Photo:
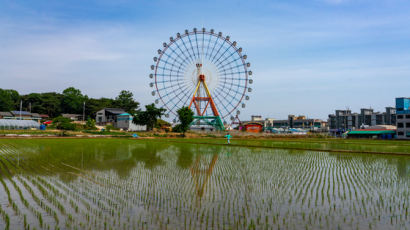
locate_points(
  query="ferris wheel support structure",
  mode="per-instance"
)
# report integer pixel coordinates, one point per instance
(196, 100)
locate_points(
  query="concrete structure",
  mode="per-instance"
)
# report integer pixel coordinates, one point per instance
(108, 115)
(256, 118)
(403, 118)
(344, 120)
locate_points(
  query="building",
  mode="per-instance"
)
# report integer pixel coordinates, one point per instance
(117, 118)
(253, 126)
(108, 115)
(403, 117)
(124, 121)
(372, 133)
(295, 122)
(21, 115)
(6, 115)
(344, 120)
(256, 118)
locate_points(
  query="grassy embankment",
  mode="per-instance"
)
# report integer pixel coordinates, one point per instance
(298, 142)
(313, 144)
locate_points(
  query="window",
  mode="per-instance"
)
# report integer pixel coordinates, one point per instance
(408, 125)
(399, 116)
(407, 116)
(400, 133)
(400, 125)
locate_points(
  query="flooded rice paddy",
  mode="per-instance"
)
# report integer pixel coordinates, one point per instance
(149, 184)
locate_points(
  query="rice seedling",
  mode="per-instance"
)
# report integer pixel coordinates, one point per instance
(144, 185)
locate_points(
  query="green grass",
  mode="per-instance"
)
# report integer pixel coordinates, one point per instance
(333, 145)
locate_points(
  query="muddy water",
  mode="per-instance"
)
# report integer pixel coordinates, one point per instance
(137, 184)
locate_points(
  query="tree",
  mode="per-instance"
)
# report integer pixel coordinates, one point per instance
(186, 116)
(73, 100)
(52, 103)
(148, 117)
(43, 103)
(90, 124)
(15, 97)
(126, 101)
(7, 99)
(63, 123)
(93, 105)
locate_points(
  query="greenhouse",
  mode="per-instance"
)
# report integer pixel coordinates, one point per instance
(18, 124)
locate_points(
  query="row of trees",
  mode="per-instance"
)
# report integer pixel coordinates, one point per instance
(71, 100)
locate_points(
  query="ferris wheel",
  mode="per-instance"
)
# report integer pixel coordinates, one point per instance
(205, 71)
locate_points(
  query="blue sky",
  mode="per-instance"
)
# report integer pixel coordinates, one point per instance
(308, 57)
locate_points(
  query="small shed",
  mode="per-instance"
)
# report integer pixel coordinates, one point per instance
(253, 127)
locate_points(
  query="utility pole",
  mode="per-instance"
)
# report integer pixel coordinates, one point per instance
(84, 111)
(21, 106)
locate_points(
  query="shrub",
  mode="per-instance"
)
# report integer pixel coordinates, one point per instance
(108, 128)
(63, 123)
(90, 124)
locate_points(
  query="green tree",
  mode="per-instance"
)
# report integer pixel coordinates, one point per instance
(8, 99)
(51, 102)
(15, 97)
(73, 100)
(90, 124)
(126, 101)
(93, 105)
(63, 123)
(43, 103)
(186, 116)
(148, 117)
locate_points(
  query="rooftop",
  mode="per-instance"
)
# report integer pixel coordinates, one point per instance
(23, 113)
(6, 114)
(115, 110)
(371, 131)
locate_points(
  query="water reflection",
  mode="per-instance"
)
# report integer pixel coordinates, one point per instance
(157, 185)
(124, 155)
(201, 171)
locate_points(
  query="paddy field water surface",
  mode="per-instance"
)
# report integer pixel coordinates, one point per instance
(161, 184)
